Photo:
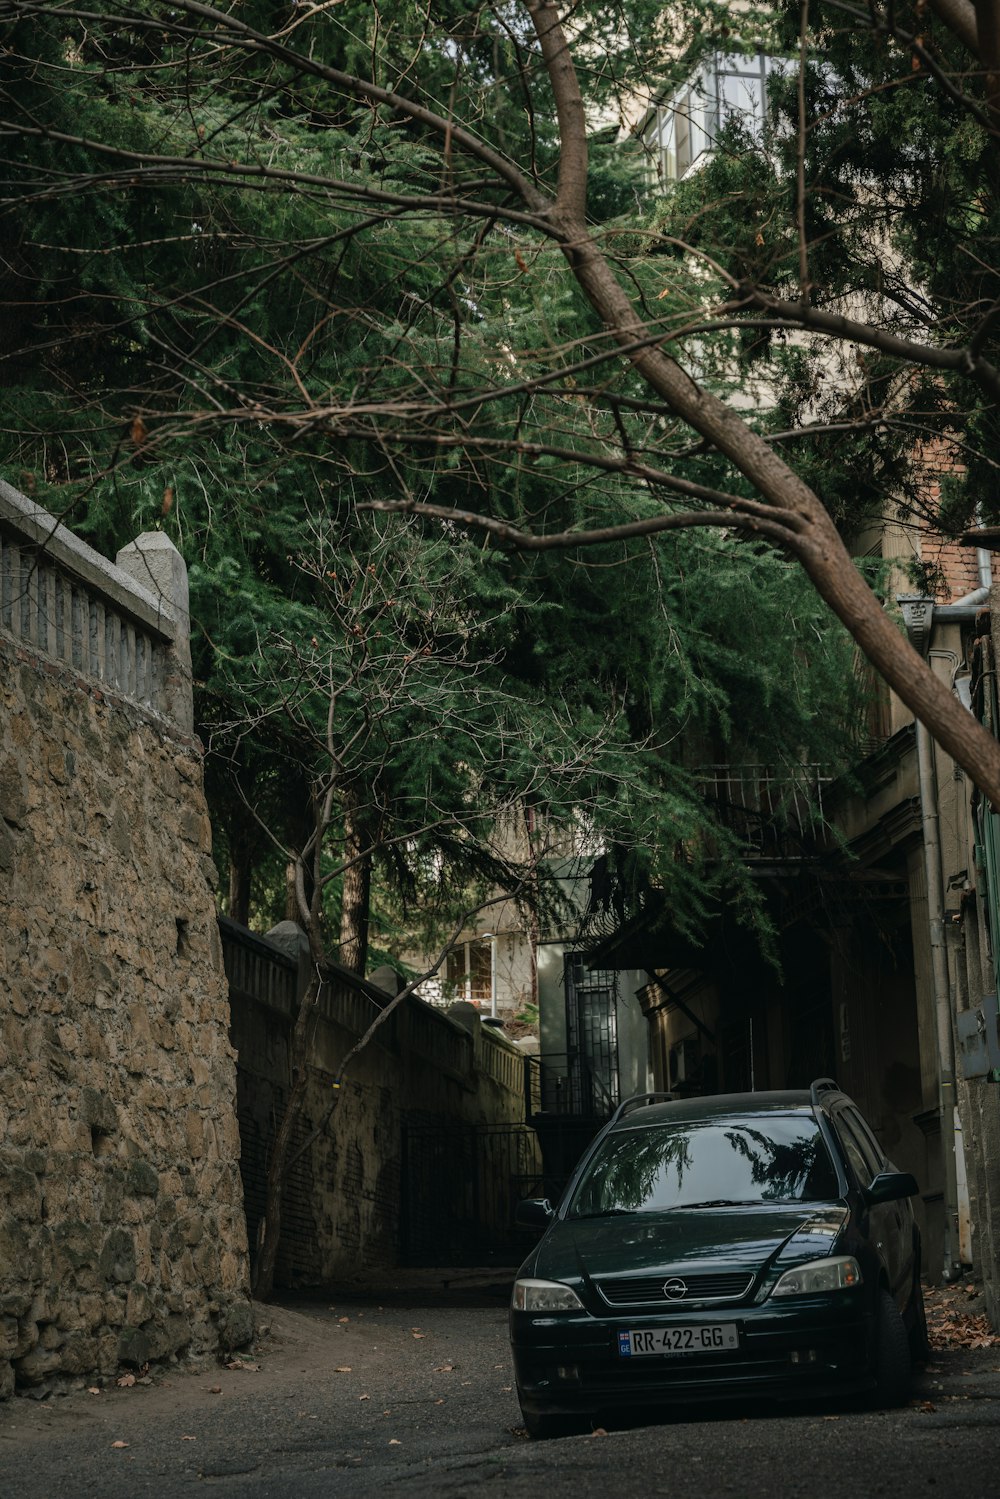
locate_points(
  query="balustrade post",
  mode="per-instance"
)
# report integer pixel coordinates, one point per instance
(154, 562)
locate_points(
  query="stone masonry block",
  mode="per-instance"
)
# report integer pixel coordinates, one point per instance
(97, 1110)
(8, 1337)
(37, 1365)
(117, 1262)
(142, 1179)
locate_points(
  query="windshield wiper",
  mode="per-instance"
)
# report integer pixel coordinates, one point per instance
(721, 1202)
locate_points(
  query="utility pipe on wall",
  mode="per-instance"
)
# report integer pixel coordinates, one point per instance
(919, 614)
(929, 819)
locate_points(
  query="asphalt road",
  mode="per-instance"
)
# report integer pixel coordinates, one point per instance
(362, 1401)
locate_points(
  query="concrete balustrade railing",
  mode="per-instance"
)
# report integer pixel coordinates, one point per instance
(123, 624)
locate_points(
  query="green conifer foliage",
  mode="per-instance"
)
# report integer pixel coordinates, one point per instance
(240, 305)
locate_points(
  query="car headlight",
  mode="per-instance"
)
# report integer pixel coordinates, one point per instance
(544, 1296)
(838, 1274)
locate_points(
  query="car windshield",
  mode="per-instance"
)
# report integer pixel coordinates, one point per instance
(690, 1165)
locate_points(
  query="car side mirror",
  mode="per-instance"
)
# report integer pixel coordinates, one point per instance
(534, 1212)
(891, 1186)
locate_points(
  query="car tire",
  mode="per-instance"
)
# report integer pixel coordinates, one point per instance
(541, 1427)
(920, 1343)
(891, 1364)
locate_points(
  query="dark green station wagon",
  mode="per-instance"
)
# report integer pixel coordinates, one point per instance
(737, 1246)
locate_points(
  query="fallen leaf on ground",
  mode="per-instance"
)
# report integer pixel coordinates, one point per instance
(395, 1442)
(342, 1369)
(125, 1381)
(961, 1330)
(444, 1368)
(364, 1397)
(93, 1390)
(343, 1319)
(215, 1389)
(949, 1326)
(927, 1406)
(189, 1439)
(119, 1444)
(598, 1431)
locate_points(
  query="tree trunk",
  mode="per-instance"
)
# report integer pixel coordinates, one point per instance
(240, 878)
(794, 515)
(292, 912)
(355, 908)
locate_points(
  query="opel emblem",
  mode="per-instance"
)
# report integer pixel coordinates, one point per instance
(675, 1289)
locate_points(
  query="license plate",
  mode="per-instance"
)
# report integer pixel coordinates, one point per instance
(711, 1337)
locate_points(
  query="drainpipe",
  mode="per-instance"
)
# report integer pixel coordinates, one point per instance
(984, 567)
(930, 824)
(918, 614)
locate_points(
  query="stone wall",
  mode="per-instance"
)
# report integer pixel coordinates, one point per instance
(122, 1234)
(452, 1090)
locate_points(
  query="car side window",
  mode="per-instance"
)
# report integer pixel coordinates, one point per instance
(872, 1150)
(852, 1149)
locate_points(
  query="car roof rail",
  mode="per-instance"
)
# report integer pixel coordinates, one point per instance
(823, 1085)
(639, 1101)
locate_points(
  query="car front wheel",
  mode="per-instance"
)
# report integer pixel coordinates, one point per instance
(920, 1347)
(891, 1364)
(541, 1427)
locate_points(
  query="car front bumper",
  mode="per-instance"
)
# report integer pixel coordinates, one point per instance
(809, 1347)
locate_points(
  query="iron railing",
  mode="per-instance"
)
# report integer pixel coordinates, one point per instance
(773, 810)
(460, 1186)
(565, 1085)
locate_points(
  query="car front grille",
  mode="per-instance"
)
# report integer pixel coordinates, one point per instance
(649, 1290)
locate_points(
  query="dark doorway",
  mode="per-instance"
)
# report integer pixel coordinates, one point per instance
(460, 1186)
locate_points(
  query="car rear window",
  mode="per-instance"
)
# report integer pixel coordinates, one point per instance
(782, 1159)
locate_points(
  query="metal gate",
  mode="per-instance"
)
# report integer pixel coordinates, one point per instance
(460, 1186)
(592, 1038)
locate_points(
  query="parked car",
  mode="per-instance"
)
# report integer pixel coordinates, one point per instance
(743, 1245)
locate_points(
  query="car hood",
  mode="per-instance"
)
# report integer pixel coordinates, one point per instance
(723, 1238)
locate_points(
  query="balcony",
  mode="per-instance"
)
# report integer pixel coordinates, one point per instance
(775, 812)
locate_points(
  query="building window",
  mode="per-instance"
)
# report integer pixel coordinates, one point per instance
(682, 129)
(469, 972)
